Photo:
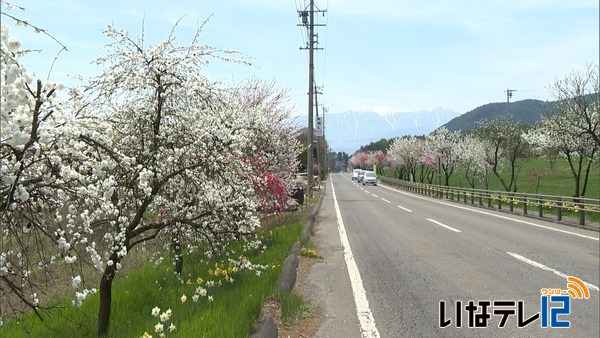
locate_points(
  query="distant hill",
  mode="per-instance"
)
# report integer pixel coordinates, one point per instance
(526, 112)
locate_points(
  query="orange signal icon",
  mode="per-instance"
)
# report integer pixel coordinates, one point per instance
(576, 288)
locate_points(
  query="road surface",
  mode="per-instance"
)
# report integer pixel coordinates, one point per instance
(391, 258)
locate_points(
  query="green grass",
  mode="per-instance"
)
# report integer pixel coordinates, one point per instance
(235, 308)
(294, 307)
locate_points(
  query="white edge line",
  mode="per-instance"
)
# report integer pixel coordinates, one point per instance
(544, 267)
(443, 225)
(494, 215)
(365, 317)
(403, 208)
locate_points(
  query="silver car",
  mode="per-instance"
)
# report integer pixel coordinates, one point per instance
(369, 178)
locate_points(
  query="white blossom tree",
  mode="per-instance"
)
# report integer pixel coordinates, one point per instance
(561, 132)
(472, 154)
(574, 126)
(505, 148)
(444, 143)
(578, 96)
(150, 150)
(407, 152)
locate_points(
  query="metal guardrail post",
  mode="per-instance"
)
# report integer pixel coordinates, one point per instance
(558, 209)
(581, 205)
(581, 211)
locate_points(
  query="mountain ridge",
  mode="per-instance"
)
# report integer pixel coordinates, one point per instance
(349, 130)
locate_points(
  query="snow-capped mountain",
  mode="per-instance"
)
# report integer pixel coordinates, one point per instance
(350, 130)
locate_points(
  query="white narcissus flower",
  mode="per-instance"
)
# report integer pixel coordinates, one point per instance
(155, 311)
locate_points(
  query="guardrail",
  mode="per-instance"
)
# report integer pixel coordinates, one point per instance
(563, 209)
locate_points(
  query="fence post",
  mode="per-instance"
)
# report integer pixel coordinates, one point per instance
(540, 207)
(500, 202)
(489, 197)
(581, 210)
(510, 201)
(524, 205)
(559, 208)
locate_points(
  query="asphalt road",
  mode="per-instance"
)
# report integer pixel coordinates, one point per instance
(391, 257)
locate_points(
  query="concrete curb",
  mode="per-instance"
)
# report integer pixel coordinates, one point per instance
(287, 279)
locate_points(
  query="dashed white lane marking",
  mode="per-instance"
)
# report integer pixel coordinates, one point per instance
(374, 195)
(443, 225)
(403, 208)
(547, 268)
(383, 199)
(365, 317)
(494, 215)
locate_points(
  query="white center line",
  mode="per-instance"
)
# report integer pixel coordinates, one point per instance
(374, 195)
(403, 208)
(383, 199)
(365, 317)
(544, 267)
(443, 225)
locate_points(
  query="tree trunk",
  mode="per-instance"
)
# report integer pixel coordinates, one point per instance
(105, 299)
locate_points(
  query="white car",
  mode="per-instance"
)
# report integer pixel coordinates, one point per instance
(370, 177)
(355, 174)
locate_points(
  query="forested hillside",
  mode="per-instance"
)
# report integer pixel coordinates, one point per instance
(525, 112)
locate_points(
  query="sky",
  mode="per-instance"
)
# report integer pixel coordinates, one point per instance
(377, 55)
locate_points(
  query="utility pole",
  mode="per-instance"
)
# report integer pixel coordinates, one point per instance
(308, 19)
(509, 94)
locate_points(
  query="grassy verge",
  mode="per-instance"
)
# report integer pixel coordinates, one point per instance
(228, 309)
(294, 307)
